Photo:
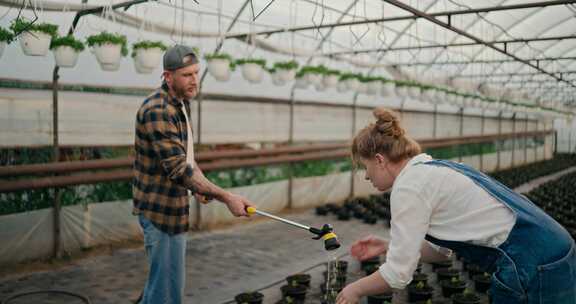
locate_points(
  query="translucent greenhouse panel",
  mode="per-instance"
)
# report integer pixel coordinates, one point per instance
(518, 157)
(507, 126)
(418, 125)
(540, 154)
(26, 236)
(85, 226)
(505, 159)
(472, 126)
(25, 120)
(230, 121)
(490, 126)
(314, 123)
(447, 125)
(490, 162)
(269, 197)
(317, 190)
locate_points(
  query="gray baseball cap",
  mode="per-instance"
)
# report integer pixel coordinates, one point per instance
(174, 57)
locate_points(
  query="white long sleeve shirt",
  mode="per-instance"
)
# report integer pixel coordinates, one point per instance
(445, 204)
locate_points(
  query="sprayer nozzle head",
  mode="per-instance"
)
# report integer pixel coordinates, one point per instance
(331, 243)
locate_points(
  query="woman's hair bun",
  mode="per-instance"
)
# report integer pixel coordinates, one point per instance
(387, 123)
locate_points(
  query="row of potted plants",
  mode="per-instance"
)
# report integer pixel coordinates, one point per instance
(221, 65)
(36, 39)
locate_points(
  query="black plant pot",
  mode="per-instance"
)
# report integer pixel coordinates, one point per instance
(444, 274)
(473, 270)
(340, 278)
(375, 261)
(380, 299)
(466, 298)
(416, 294)
(482, 282)
(296, 293)
(370, 269)
(443, 264)
(299, 279)
(344, 215)
(452, 287)
(419, 277)
(338, 287)
(322, 210)
(249, 298)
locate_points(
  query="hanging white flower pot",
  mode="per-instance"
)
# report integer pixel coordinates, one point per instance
(219, 68)
(387, 89)
(341, 87)
(252, 72)
(65, 56)
(108, 55)
(352, 84)
(373, 87)
(35, 43)
(277, 79)
(313, 78)
(2, 47)
(301, 83)
(330, 80)
(414, 92)
(402, 91)
(286, 75)
(429, 95)
(147, 60)
(441, 97)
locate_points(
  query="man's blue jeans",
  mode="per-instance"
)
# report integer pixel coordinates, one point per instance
(166, 256)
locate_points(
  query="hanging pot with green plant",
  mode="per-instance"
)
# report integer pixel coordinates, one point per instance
(286, 70)
(108, 49)
(428, 93)
(275, 76)
(219, 65)
(351, 81)
(373, 86)
(387, 87)
(34, 37)
(312, 74)
(401, 89)
(252, 69)
(414, 90)
(5, 38)
(66, 50)
(301, 82)
(147, 55)
(330, 78)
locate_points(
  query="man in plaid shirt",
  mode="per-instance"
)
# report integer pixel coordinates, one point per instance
(164, 172)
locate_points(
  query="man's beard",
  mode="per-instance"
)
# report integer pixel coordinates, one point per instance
(182, 92)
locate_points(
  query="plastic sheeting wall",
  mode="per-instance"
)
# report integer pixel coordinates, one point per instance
(26, 120)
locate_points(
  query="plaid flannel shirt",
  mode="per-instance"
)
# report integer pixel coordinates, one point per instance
(161, 174)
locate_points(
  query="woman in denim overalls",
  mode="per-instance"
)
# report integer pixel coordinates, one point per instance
(534, 263)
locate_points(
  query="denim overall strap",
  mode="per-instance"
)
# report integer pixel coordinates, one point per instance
(535, 242)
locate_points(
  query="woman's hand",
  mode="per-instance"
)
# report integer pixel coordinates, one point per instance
(348, 295)
(368, 247)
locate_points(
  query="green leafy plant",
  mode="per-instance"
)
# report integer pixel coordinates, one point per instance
(286, 65)
(420, 285)
(347, 76)
(260, 62)
(148, 44)
(211, 56)
(6, 36)
(105, 37)
(21, 25)
(67, 41)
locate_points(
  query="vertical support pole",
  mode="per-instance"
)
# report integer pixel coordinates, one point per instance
(514, 138)
(461, 133)
(498, 145)
(482, 131)
(353, 132)
(55, 158)
(526, 141)
(291, 141)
